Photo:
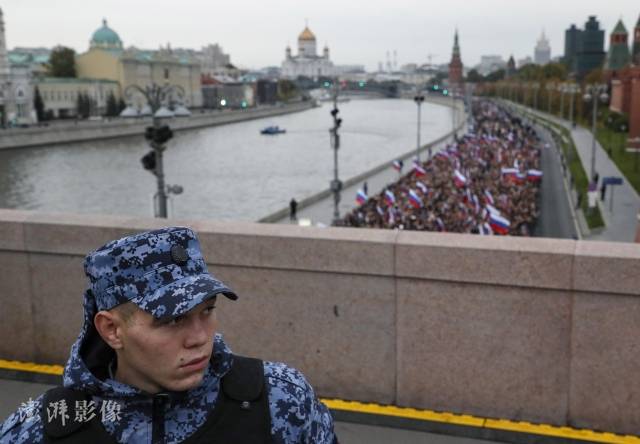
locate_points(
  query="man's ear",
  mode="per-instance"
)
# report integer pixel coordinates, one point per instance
(109, 326)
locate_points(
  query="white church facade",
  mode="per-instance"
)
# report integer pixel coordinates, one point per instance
(307, 62)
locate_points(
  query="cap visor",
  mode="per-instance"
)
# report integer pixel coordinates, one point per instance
(178, 297)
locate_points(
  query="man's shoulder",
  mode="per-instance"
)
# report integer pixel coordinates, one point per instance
(24, 425)
(282, 376)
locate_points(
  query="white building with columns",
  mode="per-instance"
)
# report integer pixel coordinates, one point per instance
(307, 62)
(16, 87)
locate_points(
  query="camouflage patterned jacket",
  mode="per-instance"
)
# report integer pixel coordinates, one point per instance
(296, 414)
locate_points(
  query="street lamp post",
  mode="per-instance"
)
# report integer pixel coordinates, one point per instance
(592, 94)
(158, 135)
(419, 98)
(336, 184)
(550, 88)
(535, 86)
(562, 88)
(572, 89)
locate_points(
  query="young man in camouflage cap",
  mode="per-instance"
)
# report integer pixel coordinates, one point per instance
(148, 366)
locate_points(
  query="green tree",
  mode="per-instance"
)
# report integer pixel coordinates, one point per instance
(557, 71)
(474, 76)
(495, 76)
(112, 105)
(62, 62)
(83, 105)
(38, 105)
(286, 90)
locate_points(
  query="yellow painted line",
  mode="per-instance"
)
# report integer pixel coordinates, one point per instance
(31, 367)
(402, 412)
(563, 432)
(409, 413)
(474, 421)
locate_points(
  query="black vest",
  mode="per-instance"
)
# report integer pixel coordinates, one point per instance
(241, 413)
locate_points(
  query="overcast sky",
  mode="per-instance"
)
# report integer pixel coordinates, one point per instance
(256, 32)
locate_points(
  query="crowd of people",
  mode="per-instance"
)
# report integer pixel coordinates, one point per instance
(487, 182)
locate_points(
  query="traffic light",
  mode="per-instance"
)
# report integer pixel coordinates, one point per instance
(150, 133)
(361, 84)
(163, 134)
(158, 135)
(336, 119)
(149, 161)
(334, 112)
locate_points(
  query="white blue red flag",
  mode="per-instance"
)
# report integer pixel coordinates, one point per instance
(418, 170)
(422, 187)
(499, 224)
(389, 197)
(361, 197)
(489, 197)
(459, 179)
(397, 165)
(414, 199)
(534, 175)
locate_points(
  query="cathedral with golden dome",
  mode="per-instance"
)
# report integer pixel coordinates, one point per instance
(307, 62)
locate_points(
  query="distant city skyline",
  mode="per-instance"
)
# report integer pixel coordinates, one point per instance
(256, 33)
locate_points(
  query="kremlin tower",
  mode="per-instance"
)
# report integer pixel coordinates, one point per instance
(455, 68)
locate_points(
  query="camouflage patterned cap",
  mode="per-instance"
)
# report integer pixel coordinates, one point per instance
(162, 272)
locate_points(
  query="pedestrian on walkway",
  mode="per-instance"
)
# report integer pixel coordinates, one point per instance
(293, 208)
(603, 191)
(365, 188)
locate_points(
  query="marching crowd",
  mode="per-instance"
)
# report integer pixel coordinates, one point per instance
(487, 182)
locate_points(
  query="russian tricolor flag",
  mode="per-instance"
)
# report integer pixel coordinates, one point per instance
(489, 197)
(397, 165)
(422, 187)
(485, 229)
(389, 197)
(499, 224)
(361, 197)
(459, 179)
(509, 171)
(414, 199)
(418, 170)
(534, 175)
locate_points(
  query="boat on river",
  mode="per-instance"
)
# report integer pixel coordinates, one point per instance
(272, 130)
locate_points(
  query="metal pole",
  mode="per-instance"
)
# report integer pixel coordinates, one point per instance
(418, 145)
(549, 101)
(593, 129)
(562, 104)
(336, 145)
(611, 200)
(158, 148)
(571, 106)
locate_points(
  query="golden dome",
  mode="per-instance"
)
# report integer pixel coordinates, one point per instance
(306, 34)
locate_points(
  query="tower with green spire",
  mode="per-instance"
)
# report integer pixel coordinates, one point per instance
(455, 67)
(619, 55)
(635, 54)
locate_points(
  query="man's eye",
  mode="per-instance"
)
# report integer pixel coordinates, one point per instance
(209, 309)
(175, 321)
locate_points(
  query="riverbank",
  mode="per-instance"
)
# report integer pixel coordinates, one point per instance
(84, 131)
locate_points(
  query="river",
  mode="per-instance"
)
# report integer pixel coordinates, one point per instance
(228, 172)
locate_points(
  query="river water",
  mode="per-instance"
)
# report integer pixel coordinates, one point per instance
(228, 172)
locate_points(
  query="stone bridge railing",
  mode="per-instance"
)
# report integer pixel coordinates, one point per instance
(542, 330)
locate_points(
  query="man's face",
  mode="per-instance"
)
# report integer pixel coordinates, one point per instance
(167, 355)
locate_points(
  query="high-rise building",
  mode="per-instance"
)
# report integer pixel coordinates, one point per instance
(572, 37)
(542, 52)
(591, 53)
(490, 63)
(455, 67)
(619, 55)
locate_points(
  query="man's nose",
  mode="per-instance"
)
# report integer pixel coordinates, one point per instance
(196, 334)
